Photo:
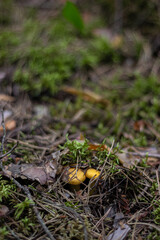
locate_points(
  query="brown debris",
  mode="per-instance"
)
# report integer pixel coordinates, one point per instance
(87, 95)
(3, 210)
(43, 174)
(6, 98)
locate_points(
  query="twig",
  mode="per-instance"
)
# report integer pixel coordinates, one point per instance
(4, 132)
(27, 192)
(154, 155)
(12, 232)
(11, 150)
(69, 209)
(24, 188)
(118, 16)
(157, 176)
(103, 217)
(28, 144)
(147, 224)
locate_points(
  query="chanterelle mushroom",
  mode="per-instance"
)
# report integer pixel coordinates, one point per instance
(92, 173)
(74, 176)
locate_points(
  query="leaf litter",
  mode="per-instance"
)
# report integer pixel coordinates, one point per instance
(124, 201)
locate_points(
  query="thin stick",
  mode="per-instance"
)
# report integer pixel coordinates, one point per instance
(12, 232)
(102, 218)
(154, 155)
(147, 224)
(38, 214)
(4, 132)
(28, 144)
(157, 176)
(10, 151)
(25, 189)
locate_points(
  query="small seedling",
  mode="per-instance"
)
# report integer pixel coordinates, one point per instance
(20, 207)
(3, 233)
(5, 189)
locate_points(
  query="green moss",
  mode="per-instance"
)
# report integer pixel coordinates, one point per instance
(5, 189)
(3, 233)
(143, 85)
(156, 212)
(51, 52)
(8, 41)
(6, 9)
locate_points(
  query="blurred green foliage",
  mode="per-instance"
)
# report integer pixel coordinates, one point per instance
(49, 64)
(6, 8)
(8, 41)
(72, 14)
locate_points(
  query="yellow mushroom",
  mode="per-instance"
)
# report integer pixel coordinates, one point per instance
(92, 173)
(74, 176)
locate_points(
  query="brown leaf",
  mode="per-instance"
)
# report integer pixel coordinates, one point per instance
(6, 98)
(98, 147)
(3, 210)
(93, 146)
(43, 174)
(9, 125)
(86, 95)
(139, 125)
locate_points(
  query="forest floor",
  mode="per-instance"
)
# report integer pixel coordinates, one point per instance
(84, 101)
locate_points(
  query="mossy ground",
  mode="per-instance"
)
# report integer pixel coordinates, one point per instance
(46, 53)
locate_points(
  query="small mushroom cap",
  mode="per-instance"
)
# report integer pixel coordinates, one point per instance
(92, 173)
(74, 176)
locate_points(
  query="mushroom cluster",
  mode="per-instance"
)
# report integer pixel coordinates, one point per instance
(76, 176)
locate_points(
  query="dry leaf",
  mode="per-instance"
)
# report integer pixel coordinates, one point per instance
(9, 125)
(99, 147)
(120, 233)
(86, 95)
(139, 125)
(121, 229)
(6, 98)
(128, 160)
(93, 146)
(43, 174)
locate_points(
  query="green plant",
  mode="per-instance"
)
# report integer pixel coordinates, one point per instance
(141, 140)
(153, 235)
(6, 10)
(143, 85)
(8, 41)
(5, 189)
(98, 50)
(72, 14)
(3, 233)
(78, 150)
(143, 162)
(156, 211)
(20, 207)
(26, 225)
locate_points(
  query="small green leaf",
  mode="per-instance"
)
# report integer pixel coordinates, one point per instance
(72, 14)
